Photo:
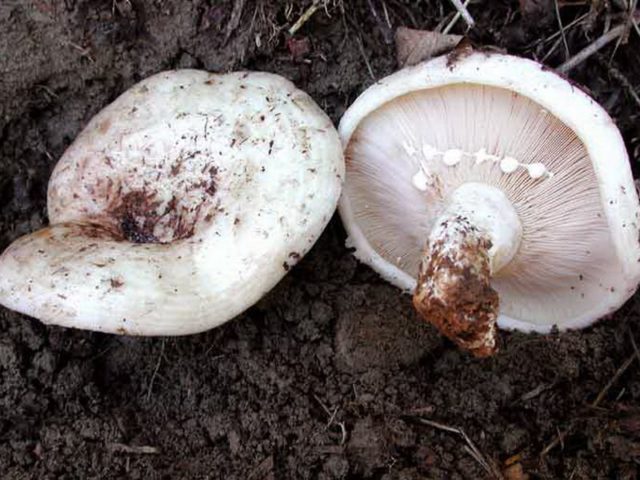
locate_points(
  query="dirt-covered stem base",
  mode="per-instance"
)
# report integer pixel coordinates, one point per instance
(476, 236)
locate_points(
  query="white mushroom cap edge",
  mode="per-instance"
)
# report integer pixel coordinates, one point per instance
(571, 106)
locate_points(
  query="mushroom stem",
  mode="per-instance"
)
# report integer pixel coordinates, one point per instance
(471, 241)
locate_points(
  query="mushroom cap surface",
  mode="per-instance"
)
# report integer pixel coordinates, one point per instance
(553, 151)
(179, 206)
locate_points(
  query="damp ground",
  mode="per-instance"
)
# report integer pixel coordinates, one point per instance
(330, 376)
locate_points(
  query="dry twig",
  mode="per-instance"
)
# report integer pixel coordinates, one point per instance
(633, 4)
(364, 56)
(141, 449)
(304, 18)
(234, 21)
(619, 76)
(462, 9)
(155, 371)
(613, 380)
(585, 53)
(562, 34)
(598, 44)
(616, 376)
(470, 447)
(635, 347)
(455, 18)
(385, 27)
(332, 418)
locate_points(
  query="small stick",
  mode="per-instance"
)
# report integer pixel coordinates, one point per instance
(324, 407)
(624, 81)
(386, 14)
(455, 19)
(386, 32)
(567, 27)
(155, 371)
(551, 50)
(560, 438)
(634, 21)
(616, 376)
(462, 9)
(343, 429)
(308, 13)
(364, 56)
(582, 55)
(470, 447)
(564, 38)
(439, 426)
(142, 449)
(556, 441)
(635, 347)
(332, 416)
(234, 21)
(536, 391)
(614, 379)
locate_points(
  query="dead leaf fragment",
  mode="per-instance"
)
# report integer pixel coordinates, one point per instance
(415, 46)
(515, 472)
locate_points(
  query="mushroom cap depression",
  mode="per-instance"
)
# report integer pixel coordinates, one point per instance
(414, 137)
(179, 206)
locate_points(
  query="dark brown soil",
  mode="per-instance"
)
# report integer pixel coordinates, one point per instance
(330, 376)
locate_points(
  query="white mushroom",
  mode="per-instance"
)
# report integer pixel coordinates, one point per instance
(525, 199)
(179, 206)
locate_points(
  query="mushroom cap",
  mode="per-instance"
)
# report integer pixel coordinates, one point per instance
(579, 257)
(178, 206)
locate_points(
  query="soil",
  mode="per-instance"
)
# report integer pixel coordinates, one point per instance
(331, 375)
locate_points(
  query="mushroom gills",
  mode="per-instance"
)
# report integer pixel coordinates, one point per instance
(477, 235)
(414, 143)
(566, 264)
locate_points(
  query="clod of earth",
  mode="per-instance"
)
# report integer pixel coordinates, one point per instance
(495, 191)
(177, 206)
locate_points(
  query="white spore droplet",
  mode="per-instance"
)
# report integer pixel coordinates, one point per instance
(452, 157)
(429, 152)
(409, 148)
(420, 181)
(482, 156)
(509, 165)
(537, 170)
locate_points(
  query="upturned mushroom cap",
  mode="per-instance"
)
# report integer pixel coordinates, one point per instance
(179, 206)
(506, 123)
